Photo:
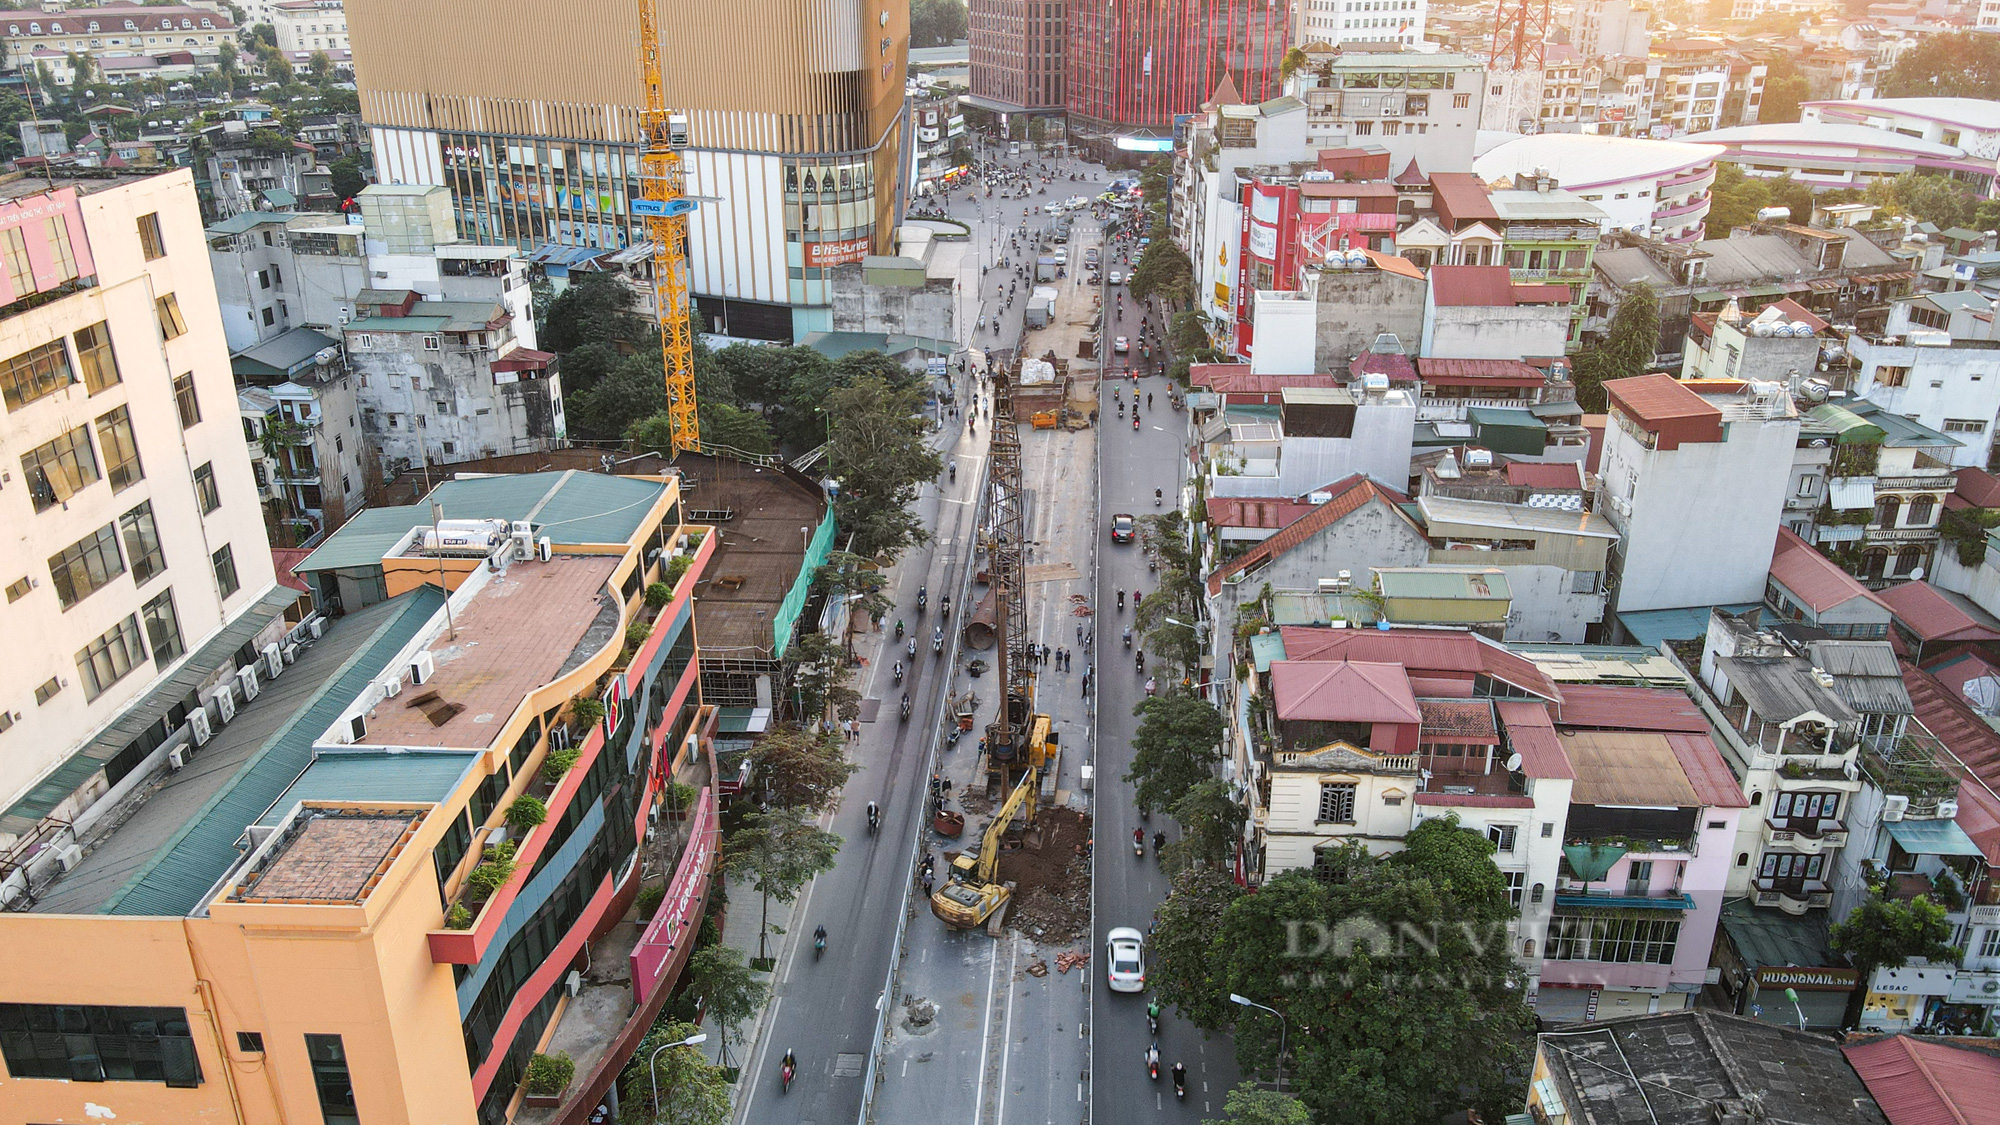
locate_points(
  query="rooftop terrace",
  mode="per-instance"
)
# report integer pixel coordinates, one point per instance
(329, 855)
(525, 628)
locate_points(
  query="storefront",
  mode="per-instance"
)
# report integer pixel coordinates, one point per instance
(1904, 999)
(1759, 953)
(1822, 996)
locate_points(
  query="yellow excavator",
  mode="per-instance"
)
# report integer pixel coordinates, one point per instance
(973, 895)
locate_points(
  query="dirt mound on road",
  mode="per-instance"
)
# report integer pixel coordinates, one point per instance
(1051, 883)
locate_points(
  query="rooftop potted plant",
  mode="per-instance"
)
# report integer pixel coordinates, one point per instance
(545, 1079)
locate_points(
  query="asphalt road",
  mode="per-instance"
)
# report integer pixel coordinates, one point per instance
(1131, 465)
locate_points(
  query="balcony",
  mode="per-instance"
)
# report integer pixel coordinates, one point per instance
(1832, 835)
(1686, 207)
(1706, 172)
(1794, 902)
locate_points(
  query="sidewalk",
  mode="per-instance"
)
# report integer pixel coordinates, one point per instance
(739, 932)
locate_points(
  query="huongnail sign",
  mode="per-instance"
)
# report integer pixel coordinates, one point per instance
(1806, 978)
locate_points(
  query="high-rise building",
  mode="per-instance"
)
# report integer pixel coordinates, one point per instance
(1135, 66)
(398, 871)
(138, 572)
(532, 120)
(1016, 49)
(1339, 22)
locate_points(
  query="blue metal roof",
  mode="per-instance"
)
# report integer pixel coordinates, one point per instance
(374, 775)
(1931, 837)
(174, 881)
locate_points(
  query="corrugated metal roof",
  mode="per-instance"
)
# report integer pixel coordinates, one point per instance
(1349, 496)
(1421, 651)
(1923, 610)
(1781, 688)
(173, 883)
(373, 775)
(1626, 768)
(1472, 287)
(162, 697)
(1458, 582)
(1343, 691)
(1926, 1082)
(570, 507)
(1616, 707)
(1533, 737)
(1812, 577)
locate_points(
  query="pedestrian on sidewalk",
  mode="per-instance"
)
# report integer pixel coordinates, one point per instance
(1086, 685)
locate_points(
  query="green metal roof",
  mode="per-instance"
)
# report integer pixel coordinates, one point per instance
(374, 775)
(1931, 837)
(398, 324)
(1900, 432)
(283, 355)
(1774, 938)
(1266, 647)
(173, 882)
(1851, 427)
(567, 506)
(1440, 582)
(833, 345)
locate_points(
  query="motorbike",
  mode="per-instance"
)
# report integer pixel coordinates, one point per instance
(1121, 601)
(1139, 842)
(874, 818)
(899, 671)
(1135, 419)
(944, 605)
(786, 1068)
(906, 705)
(1128, 637)
(923, 597)
(819, 942)
(899, 628)
(1157, 495)
(1152, 685)
(1180, 1081)
(1153, 1060)
(911, 647)
(1160, 846)
(1139, 661)
(953, 473)
(1137, 597)
(937, 640)
(1121, 410)
(1153, 1022)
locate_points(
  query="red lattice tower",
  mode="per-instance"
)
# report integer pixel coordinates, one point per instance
(1521, 29)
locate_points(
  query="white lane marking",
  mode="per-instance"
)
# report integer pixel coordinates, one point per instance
(1007, 1032)
(986, 1032)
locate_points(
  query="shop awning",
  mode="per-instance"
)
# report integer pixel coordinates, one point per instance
(1848, 494)
(1710, 296)
(1931, 837)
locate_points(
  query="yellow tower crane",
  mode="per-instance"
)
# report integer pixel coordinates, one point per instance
(664, 204)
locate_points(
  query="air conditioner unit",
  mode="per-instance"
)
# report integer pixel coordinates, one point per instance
(246, 677)
(69, 857)
(318, 627)
(422, 668)
(225, 704)
(544, 548)
(291, 653)
(1894, 806)
(14, 889)
(274, 661)
(574, 982)
(1946, 810)
(176, 758)
(391, 687)
(199, 729)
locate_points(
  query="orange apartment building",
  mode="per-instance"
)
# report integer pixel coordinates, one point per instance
(285, 928)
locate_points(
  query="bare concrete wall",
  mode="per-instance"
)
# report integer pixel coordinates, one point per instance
(1353, 307)
(925, 310)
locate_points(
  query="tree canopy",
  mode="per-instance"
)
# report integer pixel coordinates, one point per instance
(1177, 746)
(1400, 991)
(1627, 350)
(1965, 64)
(936, 23)
(880, 453)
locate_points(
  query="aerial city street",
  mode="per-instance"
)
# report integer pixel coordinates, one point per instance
(1361, 562)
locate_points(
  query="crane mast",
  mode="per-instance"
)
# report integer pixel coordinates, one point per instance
(663, 204)
(1007, 735)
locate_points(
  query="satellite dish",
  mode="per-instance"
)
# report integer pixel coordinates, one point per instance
(1917, 575)
(1513, 763)
(1983, 692)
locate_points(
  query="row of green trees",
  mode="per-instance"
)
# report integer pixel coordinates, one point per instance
(865, 407)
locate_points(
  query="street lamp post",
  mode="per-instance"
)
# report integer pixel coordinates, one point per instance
(654, 1075)
(1235, 998)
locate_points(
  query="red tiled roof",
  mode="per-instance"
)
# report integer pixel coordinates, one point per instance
(1472, 287)
(1255, 511)
(1813, 578)
(1958, 666)
(1476, 800)
(1556, 474)
(1398, 368)
(1349, 496)
(1533, 737)
(1655, 398)
(1926, 1082)
(1979, 816)
(1613, 707)
(1459, 719)
(1795, 311)
(1707, 772)
(1977, 488)
(1411, 175)
(524, 359)
(1420, 651)
(1342, 691)
(1921, 609)
(1462, 196)
(1202, 374)
(1236, 379)
(1954, 722)
(1490, 372)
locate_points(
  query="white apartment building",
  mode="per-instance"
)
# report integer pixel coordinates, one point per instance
(115, 30)
(1340, 22)
(1937, 363)
(1665, 446)
(1611, 27)
(305, 26)
(139, 575)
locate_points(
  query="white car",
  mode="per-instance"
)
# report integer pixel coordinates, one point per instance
(1052, 208)
(1076, 203)
(1117, 278)
(1125, 960)
(1121, 345)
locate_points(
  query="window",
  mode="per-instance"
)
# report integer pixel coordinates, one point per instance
(1989, 944)
(57, 232)
(1502, 836)
(93, 354)
(205, 490)
(35, 373)
(121, 450)
(109, 658)
(142, 543)
(225, 570)
(185, 400)
(151, 242)
(1808, 485)
(432, 343)
(1461, 101)
(1648, 941)
(19, 589)
(99, 1043)
(1886, 511)
(1964, 426)
(1891, 376)
(86, 565)
(331, 1080)
(1517, 886)
(60, 469)
(47, 691)
(20, 271)
(1541, 889)
(1921, 510)
(1336, 803)
(270, 316)
(169, 310)
(163, 629)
